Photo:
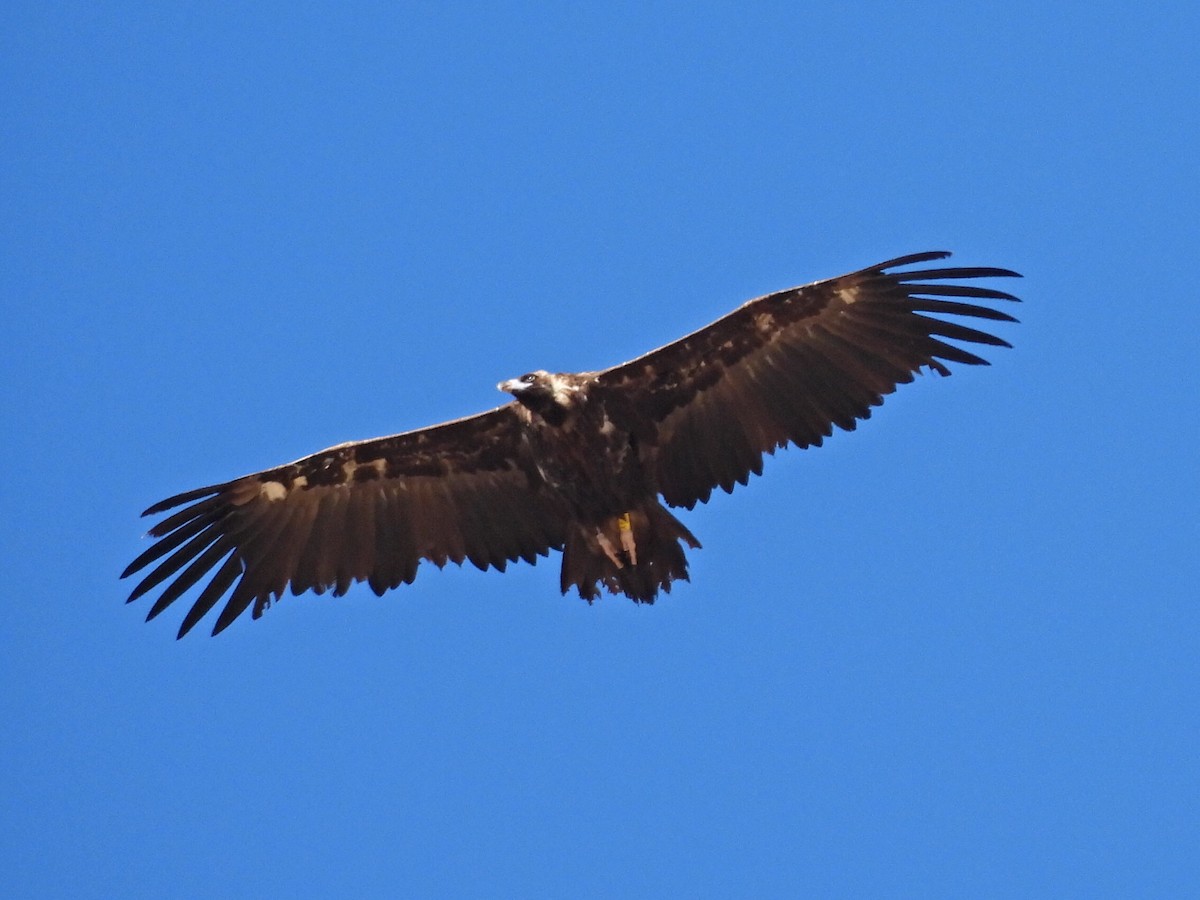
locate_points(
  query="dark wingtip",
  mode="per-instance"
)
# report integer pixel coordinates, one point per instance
(180, 499)
(194, 615)
(931, 255)
(958, 272)
(223, 622)
(910, 259)
(1005, 295)
(143, 586)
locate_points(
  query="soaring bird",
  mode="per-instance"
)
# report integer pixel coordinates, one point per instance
(574, 462)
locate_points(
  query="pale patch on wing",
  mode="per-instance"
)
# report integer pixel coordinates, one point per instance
(764, 322)
(272, 490)
(349, 468)
(848, 295)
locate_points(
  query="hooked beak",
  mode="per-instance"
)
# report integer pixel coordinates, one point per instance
(512, 386)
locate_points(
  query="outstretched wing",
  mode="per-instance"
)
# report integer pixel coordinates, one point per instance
(788, 366)
(367, 511)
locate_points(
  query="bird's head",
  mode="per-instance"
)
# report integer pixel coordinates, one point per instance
(550, 395)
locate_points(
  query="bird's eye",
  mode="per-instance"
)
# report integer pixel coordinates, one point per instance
(528, 379)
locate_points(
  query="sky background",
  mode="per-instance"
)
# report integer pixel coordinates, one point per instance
(955, 653)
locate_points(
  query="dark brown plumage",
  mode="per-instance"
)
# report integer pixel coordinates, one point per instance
(576, 462)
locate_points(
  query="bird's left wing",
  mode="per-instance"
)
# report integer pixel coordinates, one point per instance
(787, 367)
(367, 511)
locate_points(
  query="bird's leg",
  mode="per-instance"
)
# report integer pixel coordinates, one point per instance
(609, 550)
(627, 542)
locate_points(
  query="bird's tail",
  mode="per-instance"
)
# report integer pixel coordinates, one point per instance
(633, 554)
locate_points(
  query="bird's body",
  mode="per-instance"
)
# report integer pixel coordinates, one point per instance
(588, 446)
(582, 449)
(577, 462)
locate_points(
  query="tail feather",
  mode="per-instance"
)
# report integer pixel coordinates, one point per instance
(636, 555)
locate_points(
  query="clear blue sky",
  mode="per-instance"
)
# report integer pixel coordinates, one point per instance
(954, 653)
